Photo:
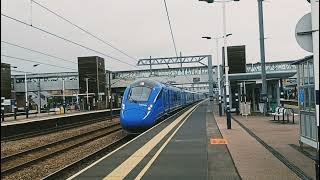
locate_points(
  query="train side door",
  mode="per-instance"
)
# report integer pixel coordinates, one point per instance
(164, 99)
(161, 103)
(164, 96)
(169, 100)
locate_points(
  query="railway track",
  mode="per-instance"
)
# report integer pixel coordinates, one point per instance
(18, 161)
(64, 172)
(56, 129)
(70, 169)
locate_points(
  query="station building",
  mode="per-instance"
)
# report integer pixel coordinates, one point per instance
(50, 85)
(5, 81)
(191, 78)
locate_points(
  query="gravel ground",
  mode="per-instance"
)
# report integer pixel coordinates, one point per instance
(12, 147)
(53, 164)
(44, 152)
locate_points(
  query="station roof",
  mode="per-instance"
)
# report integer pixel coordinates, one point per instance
(257, 75)
(302, 60)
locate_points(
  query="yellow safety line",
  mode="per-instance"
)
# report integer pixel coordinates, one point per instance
(128, 165)
(144, 170)
(101, 159)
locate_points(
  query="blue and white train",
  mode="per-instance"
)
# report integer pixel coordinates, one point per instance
(146, 101)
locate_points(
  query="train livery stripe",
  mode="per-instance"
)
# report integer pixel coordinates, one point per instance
(127, 166)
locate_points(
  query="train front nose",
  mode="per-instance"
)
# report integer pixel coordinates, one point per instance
(132, 119)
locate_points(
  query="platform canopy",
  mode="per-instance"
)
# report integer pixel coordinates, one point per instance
(257, 75)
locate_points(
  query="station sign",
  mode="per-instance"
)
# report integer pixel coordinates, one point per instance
(303, 33)
(301, 97)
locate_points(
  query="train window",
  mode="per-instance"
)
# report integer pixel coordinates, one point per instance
(160, 94)
(139, 94)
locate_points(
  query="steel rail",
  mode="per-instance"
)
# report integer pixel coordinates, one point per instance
(11, 169)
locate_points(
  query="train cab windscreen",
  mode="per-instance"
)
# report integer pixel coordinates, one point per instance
(139, 94)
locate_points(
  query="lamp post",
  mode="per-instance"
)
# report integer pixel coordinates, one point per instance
(110, 94)
(226, 64)
(63, 96)
(218, 67)
(225, 58)
(87, 85)
(39, 90)
(26, 92)
(262, 54)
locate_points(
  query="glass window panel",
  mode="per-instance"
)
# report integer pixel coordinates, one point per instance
(139, 94)
(301, 74)
(313, 126)
(312, 99)
(302, 124)
(301, 96)
(305, 73)
(311, 74)
(307, 125)
(306, 99)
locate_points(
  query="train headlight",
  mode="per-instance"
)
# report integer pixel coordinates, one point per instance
(123, 106)
(150, 107)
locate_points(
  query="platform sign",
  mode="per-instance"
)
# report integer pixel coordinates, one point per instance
(303, 33)
(301, 97)
(236, 59)
(218, 141)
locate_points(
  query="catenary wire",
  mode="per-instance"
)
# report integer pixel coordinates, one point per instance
(84, 30)
(171, 31)
(28, 60)
(49, 55)
(70, 41)
(172, 35)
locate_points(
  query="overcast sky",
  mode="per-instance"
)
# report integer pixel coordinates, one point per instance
(140, 28)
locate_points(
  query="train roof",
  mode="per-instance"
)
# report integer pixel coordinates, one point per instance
(153, 83)
(146, 82)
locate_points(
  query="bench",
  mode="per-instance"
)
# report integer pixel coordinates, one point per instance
(282, 111)
(278, 112)
(289, 112)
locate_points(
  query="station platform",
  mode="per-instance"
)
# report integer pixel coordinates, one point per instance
(46, 116)
(185, 146)
(176, 148)
(44, 121)
(270, 146)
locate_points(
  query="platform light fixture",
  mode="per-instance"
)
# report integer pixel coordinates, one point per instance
(212, 1)
(227, 83)
(208, 1)
(218, 67)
